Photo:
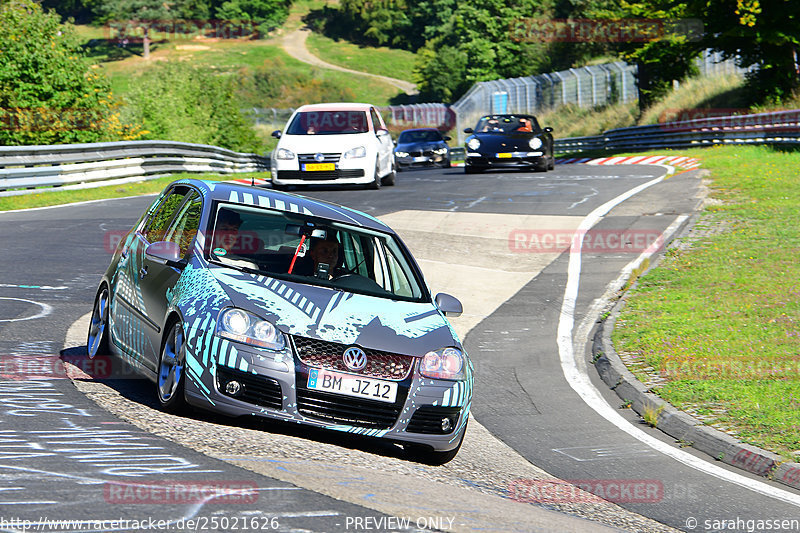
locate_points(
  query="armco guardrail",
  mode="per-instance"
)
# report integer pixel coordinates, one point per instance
(40, 166)
(777, 127)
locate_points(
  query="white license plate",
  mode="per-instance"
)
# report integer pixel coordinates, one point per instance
(349, 385)
(420, 159)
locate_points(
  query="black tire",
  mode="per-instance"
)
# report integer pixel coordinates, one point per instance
(171, 378)
(376, 182)
(446, 163)
(552, 164)
(389, 179)
(423, 454)
(97, 340)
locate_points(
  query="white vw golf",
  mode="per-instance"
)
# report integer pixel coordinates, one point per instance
(340, 143)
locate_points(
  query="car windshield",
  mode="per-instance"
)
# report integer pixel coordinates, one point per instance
(328, 123)
(308, 250)
(419, 136)
(506, 124)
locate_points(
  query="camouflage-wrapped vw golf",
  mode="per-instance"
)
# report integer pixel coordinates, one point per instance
(248, 301)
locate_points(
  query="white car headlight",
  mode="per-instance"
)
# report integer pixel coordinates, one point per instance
(440, 151)
(283, 153)
(355, 153)
(474, 144)
(401, 154)
(447, 363)
(535, 143)
(241, 326)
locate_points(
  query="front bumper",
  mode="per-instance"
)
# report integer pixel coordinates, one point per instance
(513, 160)
(275, 387)
(353, 171)
(421, 160)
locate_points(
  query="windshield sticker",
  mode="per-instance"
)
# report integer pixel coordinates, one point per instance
(220, 252)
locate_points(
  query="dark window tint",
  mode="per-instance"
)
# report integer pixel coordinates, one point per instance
(328, 123)
(183, 230)
(156, 227)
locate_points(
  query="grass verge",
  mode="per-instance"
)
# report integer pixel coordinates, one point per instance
(59, 197)
(719, 319)
(383, 61)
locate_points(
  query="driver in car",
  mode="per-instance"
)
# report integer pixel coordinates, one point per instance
(325, 254)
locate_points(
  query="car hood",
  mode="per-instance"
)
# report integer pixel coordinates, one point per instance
(311, 144)
(410, 147)
(494, 142)
(321, 313)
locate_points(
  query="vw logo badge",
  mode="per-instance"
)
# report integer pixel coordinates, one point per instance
(354, 359)
(319, 158)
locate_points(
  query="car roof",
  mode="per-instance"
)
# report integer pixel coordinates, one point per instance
(419, 129)
(336, 106)
(272, 199)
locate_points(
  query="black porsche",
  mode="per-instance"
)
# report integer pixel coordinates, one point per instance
(509, 141)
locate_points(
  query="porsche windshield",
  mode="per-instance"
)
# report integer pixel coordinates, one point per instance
(507, 124)
(328, 123)
(307, 250)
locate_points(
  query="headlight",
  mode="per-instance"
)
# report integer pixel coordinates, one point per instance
(473, 144)
(440, 151)
(355, 153)
(401, 154)
(240, 326)
(283, 153)
(535, 143)
(447, 363)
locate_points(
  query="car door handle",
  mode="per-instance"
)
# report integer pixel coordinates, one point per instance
(143, 272)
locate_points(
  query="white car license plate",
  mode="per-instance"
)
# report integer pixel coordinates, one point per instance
(349, 385)
(421, 159)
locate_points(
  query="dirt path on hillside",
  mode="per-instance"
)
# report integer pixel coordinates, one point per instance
(295, 45)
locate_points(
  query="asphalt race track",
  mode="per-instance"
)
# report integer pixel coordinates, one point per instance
(98, 449)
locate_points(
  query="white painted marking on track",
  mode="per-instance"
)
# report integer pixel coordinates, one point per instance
(42, 287)
(45, 310)
(580, 383)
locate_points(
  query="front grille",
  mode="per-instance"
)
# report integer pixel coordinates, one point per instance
(259, 390)
(428, 419)
(348, 410)
(326, 158)
(320, 175)
(328, 355)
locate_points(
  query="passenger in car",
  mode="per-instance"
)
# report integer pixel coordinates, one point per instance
(228, 237)
(322, 260)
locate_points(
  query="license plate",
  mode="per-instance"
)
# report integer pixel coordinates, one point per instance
(420, 159)
(311, 167)
(349, 385)
(504, 155)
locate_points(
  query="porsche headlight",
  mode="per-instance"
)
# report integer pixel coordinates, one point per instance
(355, 153)
(535, 143)
(447, 363)
(283, 153)
(241, 326)
(473, 144)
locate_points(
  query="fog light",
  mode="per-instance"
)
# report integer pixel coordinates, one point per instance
(233, 388)
(446, 425)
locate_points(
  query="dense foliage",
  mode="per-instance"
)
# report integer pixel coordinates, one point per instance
(49, 94)
(181, 102)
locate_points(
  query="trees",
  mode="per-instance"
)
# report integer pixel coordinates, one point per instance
(48, 92)
(142, 13)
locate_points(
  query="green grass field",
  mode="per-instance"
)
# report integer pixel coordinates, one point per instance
(720, 320)
(384, 61)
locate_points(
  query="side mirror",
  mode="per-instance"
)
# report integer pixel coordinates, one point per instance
(165, 253)
(548, 129)
(449, 305)
(381, 132)
(277, 134)
(469, 130)
(446, 137)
